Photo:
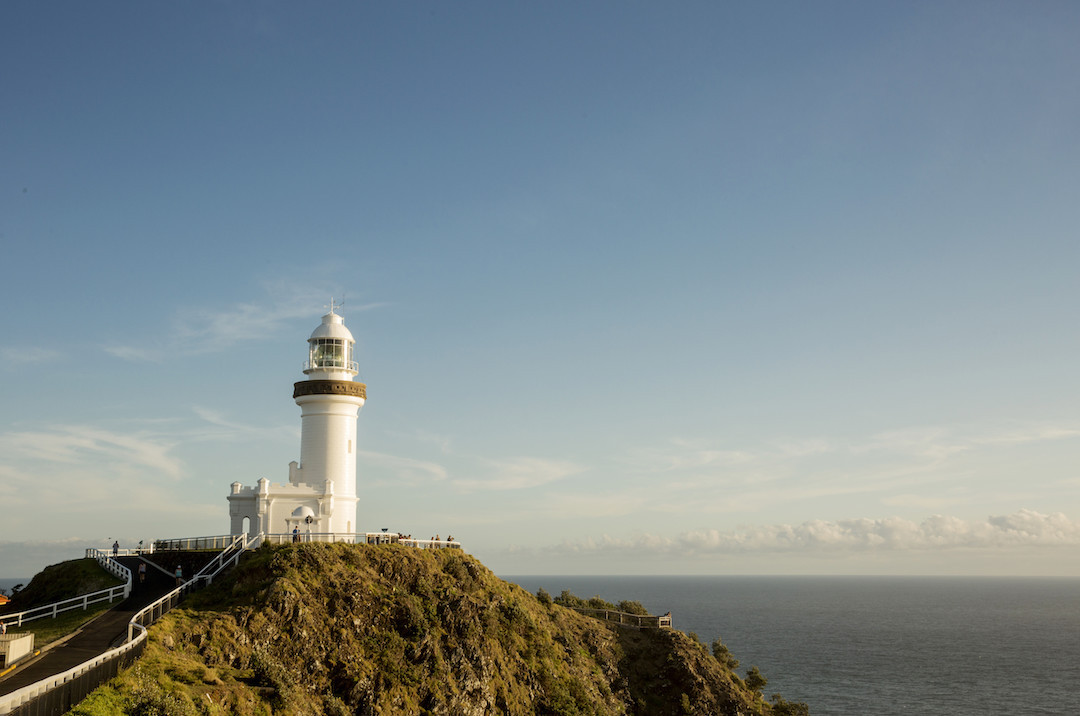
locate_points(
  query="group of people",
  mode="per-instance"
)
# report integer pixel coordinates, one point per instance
(435, 541)
(179, 573)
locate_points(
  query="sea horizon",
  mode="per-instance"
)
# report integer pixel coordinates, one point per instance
(883, 644)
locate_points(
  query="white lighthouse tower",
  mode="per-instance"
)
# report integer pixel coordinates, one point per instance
(329, 402)
(320, 496)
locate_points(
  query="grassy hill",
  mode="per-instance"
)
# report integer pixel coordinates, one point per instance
(340, 629)
(62, 581)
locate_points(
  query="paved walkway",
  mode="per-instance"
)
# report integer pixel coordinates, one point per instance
(96, 637)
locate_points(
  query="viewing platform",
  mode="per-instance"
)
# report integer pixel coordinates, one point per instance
(637, 621)
(217, 542)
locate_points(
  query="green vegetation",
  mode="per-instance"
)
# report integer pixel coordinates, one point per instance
(329, 629)
(754, 680)
(725, 657)
(57, 583)
(788, 708)
(61, 581)
(568, 599)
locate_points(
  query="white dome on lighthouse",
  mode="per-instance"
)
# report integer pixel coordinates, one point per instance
(332, 326)
(330, 350)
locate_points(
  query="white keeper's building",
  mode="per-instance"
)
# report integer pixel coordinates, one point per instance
(320, 495)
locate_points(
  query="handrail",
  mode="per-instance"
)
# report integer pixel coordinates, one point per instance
(15, 699)
(111, 565)
(359, 538)
(230, 554)
(626, 618)
(51, 611)
(136, 629)
(193, 543)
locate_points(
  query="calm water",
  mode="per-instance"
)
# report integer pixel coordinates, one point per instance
(7, 584)
(879, 645)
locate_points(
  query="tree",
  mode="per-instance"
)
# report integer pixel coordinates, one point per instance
(780, 707)
(632, 607)
(725, 657)
(754, 680)
(568, 599)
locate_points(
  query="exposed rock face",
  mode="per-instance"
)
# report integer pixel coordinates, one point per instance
(344, 629)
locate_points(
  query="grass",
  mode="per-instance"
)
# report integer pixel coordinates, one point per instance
(61, 581)
(57, 583)
(48, 630)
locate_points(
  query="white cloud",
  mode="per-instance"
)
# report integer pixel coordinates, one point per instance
(134, 354)
(197, 330)
(519, 473)
(442, 442)
(1025, 528)
(935, 501)
(15, 355)
(404, 469)
(81, 445)
(894, 464)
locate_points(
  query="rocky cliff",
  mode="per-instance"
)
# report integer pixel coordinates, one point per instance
(343, 629)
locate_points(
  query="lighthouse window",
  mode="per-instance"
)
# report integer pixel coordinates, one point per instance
(328, 353)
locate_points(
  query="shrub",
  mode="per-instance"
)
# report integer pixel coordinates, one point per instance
(632, 607)
(754, 680)
(149, 699)
(598, 603)
(723, 655)
(568, 599)
(788, 708)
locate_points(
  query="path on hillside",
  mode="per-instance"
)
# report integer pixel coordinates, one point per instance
(96, 637)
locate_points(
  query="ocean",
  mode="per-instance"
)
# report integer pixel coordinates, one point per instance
(878, 645)
(7, 584)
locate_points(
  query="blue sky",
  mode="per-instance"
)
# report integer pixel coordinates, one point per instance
(637, 288)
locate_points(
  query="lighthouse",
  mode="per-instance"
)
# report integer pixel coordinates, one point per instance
(320, 496)
(330, 401)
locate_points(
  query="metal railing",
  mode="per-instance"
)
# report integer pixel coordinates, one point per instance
(51, 611)
(639, 621)
(359, 538)
(194, 543)
(58, 694)
(112, 566)
(228, 557)
(46, 697)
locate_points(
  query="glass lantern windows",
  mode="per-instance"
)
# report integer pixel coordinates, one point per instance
(330, 353)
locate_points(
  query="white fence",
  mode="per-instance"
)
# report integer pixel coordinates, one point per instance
(194, 543)
(359, 538)
(228, 557)
(73, 685)
(80, 680)
(51, 611)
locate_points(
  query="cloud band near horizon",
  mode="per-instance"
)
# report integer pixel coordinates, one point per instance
(1024, 528)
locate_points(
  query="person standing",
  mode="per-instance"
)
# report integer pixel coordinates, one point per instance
(116, 548)
(142, 572)
(179, 575)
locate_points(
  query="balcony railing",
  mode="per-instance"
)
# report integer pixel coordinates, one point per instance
(330, 364)
(360, 538)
